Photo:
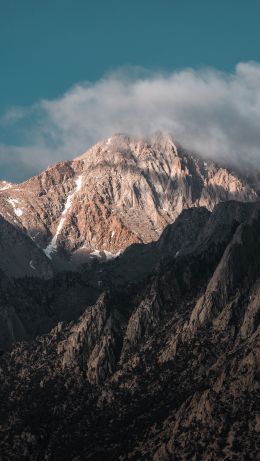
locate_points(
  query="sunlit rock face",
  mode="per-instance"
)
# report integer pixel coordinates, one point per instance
(123, 190)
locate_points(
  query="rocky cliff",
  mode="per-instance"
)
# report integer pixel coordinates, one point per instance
(162, 366)
(129, 308)
(122, 191)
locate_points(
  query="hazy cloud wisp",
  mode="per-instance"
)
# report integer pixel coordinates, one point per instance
(213, 113)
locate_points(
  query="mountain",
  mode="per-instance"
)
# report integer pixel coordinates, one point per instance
(129, 308)
(29, 307)
(20, 257)
(122, 191)
(162, 366)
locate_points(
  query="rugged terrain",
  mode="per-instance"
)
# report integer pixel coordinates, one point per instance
(129, 308)
(123, 190)
(164, 365)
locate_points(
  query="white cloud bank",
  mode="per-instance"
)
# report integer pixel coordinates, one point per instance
(216, 114)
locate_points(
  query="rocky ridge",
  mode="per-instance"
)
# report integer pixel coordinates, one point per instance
(161, 367)
(122, 191)
(147, 346)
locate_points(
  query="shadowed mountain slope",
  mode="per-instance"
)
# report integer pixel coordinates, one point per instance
(162, 366)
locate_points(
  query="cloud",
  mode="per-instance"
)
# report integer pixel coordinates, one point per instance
(213, 113)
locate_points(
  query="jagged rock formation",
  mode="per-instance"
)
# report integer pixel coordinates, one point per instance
(153, 354)
(121, 191)
(163, 366)
(30, 307)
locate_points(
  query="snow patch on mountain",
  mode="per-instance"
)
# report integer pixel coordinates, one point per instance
(18, 211)
(4, 185)
(104, 253)
(110, 256)
(52, 247)
(32, 265)
(95, 254)
(78, 183)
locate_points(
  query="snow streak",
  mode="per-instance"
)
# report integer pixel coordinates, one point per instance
(52, 247)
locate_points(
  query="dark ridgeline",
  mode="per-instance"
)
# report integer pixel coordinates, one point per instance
(162, 366)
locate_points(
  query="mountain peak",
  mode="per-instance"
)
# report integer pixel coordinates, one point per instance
(122, 142)
(123, 190)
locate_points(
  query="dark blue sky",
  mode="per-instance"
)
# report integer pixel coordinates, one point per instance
(47, 46)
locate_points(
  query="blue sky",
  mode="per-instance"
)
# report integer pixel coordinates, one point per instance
(48, 47)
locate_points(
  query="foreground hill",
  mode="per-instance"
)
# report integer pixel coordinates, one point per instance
(163, 366)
